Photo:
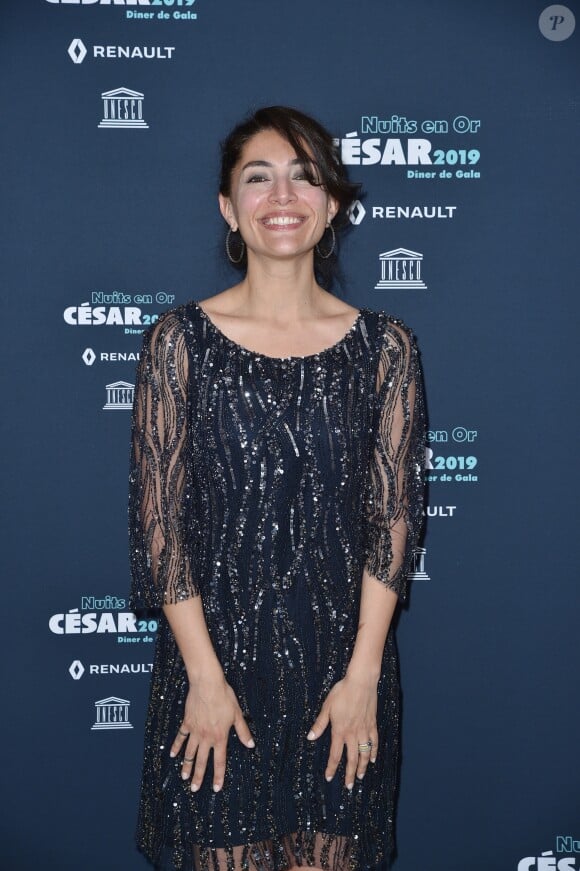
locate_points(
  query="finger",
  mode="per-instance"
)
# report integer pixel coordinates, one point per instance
(334, 757)
(188, 759)
(243, 731)
(219, 765)
(363, 759)
(319, 724)
(200, 766)
(182, 735)
(374, 736)
(351, 763)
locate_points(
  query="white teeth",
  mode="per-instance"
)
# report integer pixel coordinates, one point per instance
(282, 221)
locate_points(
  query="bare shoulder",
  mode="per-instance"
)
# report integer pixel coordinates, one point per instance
(227, 302)
(223, 303)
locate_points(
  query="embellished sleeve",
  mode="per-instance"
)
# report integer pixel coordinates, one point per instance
(160, 474)
(395, 482)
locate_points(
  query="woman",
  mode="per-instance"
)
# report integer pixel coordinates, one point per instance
(275, 501)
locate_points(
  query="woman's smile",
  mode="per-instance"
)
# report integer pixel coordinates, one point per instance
(282, 221)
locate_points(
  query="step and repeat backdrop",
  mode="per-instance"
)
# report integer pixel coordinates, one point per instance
(461, 121)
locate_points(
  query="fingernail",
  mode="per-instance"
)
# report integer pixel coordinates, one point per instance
(374, 760)
(184, 775)
(251, 743)
(311, 735)
(349, 785)
(329, 777)
(194, 787)
(172, 754)
(216, 787)
(360, 776)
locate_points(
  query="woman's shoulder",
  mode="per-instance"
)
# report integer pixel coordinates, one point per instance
(392, 331)
(170, 324)
(388, 324)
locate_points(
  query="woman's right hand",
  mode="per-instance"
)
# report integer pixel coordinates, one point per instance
(211, 709)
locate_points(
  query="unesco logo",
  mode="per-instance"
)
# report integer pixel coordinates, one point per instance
(401, 270)
(120, 396)
(123, 110)
(417, 572)
(112, 713)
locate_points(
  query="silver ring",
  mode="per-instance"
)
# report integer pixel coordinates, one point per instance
(365, 748)
(185, 759)
(183, 734)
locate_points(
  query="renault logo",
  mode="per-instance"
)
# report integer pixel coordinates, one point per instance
(77, 51)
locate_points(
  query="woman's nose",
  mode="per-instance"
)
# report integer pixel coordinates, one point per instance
(282, 191)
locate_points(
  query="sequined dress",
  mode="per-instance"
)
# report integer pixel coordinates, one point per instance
(266, 485)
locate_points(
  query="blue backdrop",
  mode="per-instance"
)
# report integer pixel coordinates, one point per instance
(461, 120)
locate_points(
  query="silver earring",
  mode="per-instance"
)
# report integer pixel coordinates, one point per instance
(332, 247)
(229, 250)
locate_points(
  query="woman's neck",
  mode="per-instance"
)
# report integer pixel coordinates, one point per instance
(280, 289)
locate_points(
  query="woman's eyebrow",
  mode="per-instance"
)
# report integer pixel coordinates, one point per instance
(295, 162)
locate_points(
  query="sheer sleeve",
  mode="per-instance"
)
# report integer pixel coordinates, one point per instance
(160, 477)
(395, 482)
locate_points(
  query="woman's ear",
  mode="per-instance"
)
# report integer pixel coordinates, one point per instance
(227, 211)
(332, 208)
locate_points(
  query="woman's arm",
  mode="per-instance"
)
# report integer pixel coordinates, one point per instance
(377, 606)
(393, 518)
(211, 707)
(162, 536)
(189, 628)
(160, 524)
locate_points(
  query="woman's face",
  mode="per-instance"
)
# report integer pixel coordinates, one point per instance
(278, 212)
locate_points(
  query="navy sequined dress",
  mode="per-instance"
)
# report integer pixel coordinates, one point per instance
(266, 485)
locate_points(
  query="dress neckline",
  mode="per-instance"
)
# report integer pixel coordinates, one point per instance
(291, 357)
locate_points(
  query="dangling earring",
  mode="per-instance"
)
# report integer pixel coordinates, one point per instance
(332, 247)
(229, 250)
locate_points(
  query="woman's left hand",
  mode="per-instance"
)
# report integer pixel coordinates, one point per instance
(351, 709)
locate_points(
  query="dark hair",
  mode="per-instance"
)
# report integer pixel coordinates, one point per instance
(311, 142)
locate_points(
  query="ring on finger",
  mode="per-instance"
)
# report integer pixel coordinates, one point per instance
(366, 747)
(183, 734)
(185, 759)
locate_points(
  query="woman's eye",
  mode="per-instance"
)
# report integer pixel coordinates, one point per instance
(255, 178)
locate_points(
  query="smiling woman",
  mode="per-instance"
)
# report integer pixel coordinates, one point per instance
(275, 502)
(312, 155)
